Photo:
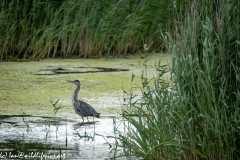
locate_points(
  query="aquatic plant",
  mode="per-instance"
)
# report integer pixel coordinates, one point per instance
(56, 106)
(26, 122)
(196, 114)
(86, 136)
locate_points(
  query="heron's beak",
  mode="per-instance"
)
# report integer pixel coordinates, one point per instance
(71, 81)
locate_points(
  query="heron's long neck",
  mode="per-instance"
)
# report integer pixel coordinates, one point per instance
(75, 93)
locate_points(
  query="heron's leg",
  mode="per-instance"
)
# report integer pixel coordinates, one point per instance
(83, 119)
(87, 119)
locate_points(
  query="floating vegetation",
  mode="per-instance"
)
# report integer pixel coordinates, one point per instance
(78, 70)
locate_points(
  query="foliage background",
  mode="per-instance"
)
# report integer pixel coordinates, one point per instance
(36, 29)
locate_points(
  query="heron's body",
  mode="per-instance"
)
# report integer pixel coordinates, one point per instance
(81, 108)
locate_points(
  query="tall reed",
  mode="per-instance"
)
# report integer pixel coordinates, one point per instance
(33, 29)
(196, 115)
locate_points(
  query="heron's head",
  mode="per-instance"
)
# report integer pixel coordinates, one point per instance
(77, 82)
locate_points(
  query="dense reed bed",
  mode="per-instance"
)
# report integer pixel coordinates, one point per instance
(196, 114)
(33, 29)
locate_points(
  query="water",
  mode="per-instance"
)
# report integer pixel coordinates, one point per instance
(28, 123)
(54, 136)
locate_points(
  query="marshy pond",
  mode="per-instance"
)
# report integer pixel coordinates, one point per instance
(31, 128)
